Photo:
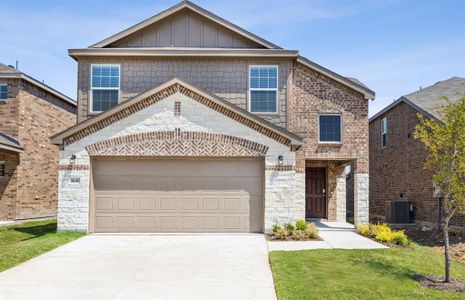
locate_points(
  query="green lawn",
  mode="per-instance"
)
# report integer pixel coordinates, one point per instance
(359, 274)
(19, 243)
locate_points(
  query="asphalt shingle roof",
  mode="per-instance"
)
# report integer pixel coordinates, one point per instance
(431, 99)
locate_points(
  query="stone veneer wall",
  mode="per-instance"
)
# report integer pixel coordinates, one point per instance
(224, 77)
(31, 116)
(282, 184)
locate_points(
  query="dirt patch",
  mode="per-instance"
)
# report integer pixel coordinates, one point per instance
(437, 283)
(435, 240)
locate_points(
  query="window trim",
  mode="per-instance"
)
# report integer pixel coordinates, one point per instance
(6, 85)
(383, 133)
(341, 125)
(250, 89)
(91, 94)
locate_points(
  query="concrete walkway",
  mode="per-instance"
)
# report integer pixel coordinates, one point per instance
(334, 235)
(146, 267)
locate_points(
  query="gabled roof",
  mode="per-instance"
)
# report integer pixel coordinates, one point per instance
(10, 72)
(9, 143)
(430, 100)
(353, 83)
(161, 92)
(191, 6)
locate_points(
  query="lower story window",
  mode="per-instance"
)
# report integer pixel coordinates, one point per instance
(330, 127)
(103, 100)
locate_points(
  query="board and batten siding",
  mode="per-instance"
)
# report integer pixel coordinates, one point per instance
(185, 29)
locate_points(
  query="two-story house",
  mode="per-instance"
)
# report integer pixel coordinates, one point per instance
(189, 123)
(30, 112)
(397, 159)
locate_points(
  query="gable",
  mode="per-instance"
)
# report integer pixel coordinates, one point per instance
(185, 25)
(185, 28)
(176, 87)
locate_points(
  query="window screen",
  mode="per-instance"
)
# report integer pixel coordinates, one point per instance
(105, 87)
(3, 91)
(330, 128)
(263, 84)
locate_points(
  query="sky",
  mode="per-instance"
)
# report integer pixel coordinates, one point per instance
(393, 46)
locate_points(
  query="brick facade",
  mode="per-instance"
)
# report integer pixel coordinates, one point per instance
(397, 170)
(311, 94)
(177, 143)
(31, 116)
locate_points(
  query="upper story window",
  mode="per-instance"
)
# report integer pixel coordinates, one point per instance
(330, 128)
(105, 87)
(263, 89)
(384, 132)
(3, 91)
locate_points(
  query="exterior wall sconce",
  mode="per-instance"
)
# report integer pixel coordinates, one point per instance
(280, 159)
(72, 159)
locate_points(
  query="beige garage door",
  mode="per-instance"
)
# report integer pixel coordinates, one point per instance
(177, 195)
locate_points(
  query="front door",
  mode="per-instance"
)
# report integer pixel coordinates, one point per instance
(315, 193)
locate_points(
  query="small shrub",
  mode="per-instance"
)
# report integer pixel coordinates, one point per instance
(275, 228)
(364, 230)
(383, 233)
(300, 224)
(400, 238)
(289, 226)
(299, 234)
(311, 231)
(281, 234)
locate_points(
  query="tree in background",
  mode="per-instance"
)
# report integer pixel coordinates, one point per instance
(445, 142)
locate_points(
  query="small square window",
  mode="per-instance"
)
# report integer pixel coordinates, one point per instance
(3, 91)
(330, 127)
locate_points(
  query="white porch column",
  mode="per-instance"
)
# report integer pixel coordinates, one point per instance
(361, 192)
(341, 198)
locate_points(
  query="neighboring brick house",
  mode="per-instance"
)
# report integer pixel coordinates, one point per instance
(189, 123)
(30, 112)
(397, 158)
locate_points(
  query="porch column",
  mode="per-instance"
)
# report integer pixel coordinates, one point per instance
(361, 187)
(341, 195)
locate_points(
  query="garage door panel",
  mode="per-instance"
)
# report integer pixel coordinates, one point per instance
(148, 203)
(124, 203)
(178, 195)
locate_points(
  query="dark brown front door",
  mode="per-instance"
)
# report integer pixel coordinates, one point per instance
(315, 193)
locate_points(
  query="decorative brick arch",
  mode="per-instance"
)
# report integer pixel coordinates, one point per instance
(177, 143)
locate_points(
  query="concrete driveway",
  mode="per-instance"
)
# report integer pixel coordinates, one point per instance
(146, 267)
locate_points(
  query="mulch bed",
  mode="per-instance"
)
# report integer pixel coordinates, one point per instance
(423, 237)
(272, 238)
(437, 283)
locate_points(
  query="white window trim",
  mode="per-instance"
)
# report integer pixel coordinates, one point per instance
(384, 132)
(4, 84)
(91, 109)
(249, 102)
(342, 132)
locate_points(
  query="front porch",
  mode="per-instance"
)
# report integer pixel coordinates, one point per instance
(328, 193)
